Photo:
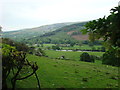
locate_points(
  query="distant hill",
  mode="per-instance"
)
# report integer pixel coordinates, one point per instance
(66, 34)
(19, 35)
(54, 33)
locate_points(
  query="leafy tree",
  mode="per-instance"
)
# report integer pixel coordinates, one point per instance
(110, 58)
(93, 48)
(107, 28)
(86, 57)
(72, 44)
(92, 58)
(85, 42)
(14, 65)
(103, 49)
(91, 44)
(56, 47)
(19, 46)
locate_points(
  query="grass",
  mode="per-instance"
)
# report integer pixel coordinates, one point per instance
(86, 47)
(70, 74)
(69, 54)
(48, 45)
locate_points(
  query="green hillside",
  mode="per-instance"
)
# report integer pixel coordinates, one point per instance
(19, 35)
(54, 33)
(55, 73)
(62, 35)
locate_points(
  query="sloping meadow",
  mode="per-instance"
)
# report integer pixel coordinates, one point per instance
(54, 73)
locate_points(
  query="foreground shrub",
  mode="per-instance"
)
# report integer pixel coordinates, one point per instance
(86, 57)
(16, 66)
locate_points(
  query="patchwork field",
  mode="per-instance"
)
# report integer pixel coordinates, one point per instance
(82, 47)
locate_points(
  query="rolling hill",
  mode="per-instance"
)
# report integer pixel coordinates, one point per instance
(19, 35)
(54, 33)
(66, 34)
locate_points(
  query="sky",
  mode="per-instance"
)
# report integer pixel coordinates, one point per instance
(20, 14)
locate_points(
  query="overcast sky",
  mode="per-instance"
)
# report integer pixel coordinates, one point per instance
(19, 14)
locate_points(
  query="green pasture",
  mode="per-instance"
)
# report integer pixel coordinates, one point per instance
(48, 45)
(72, 55)
(55, 73)
(86, 47)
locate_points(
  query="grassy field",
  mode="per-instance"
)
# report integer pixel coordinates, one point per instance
(70, 54)
(86, 47)
(55, 73)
